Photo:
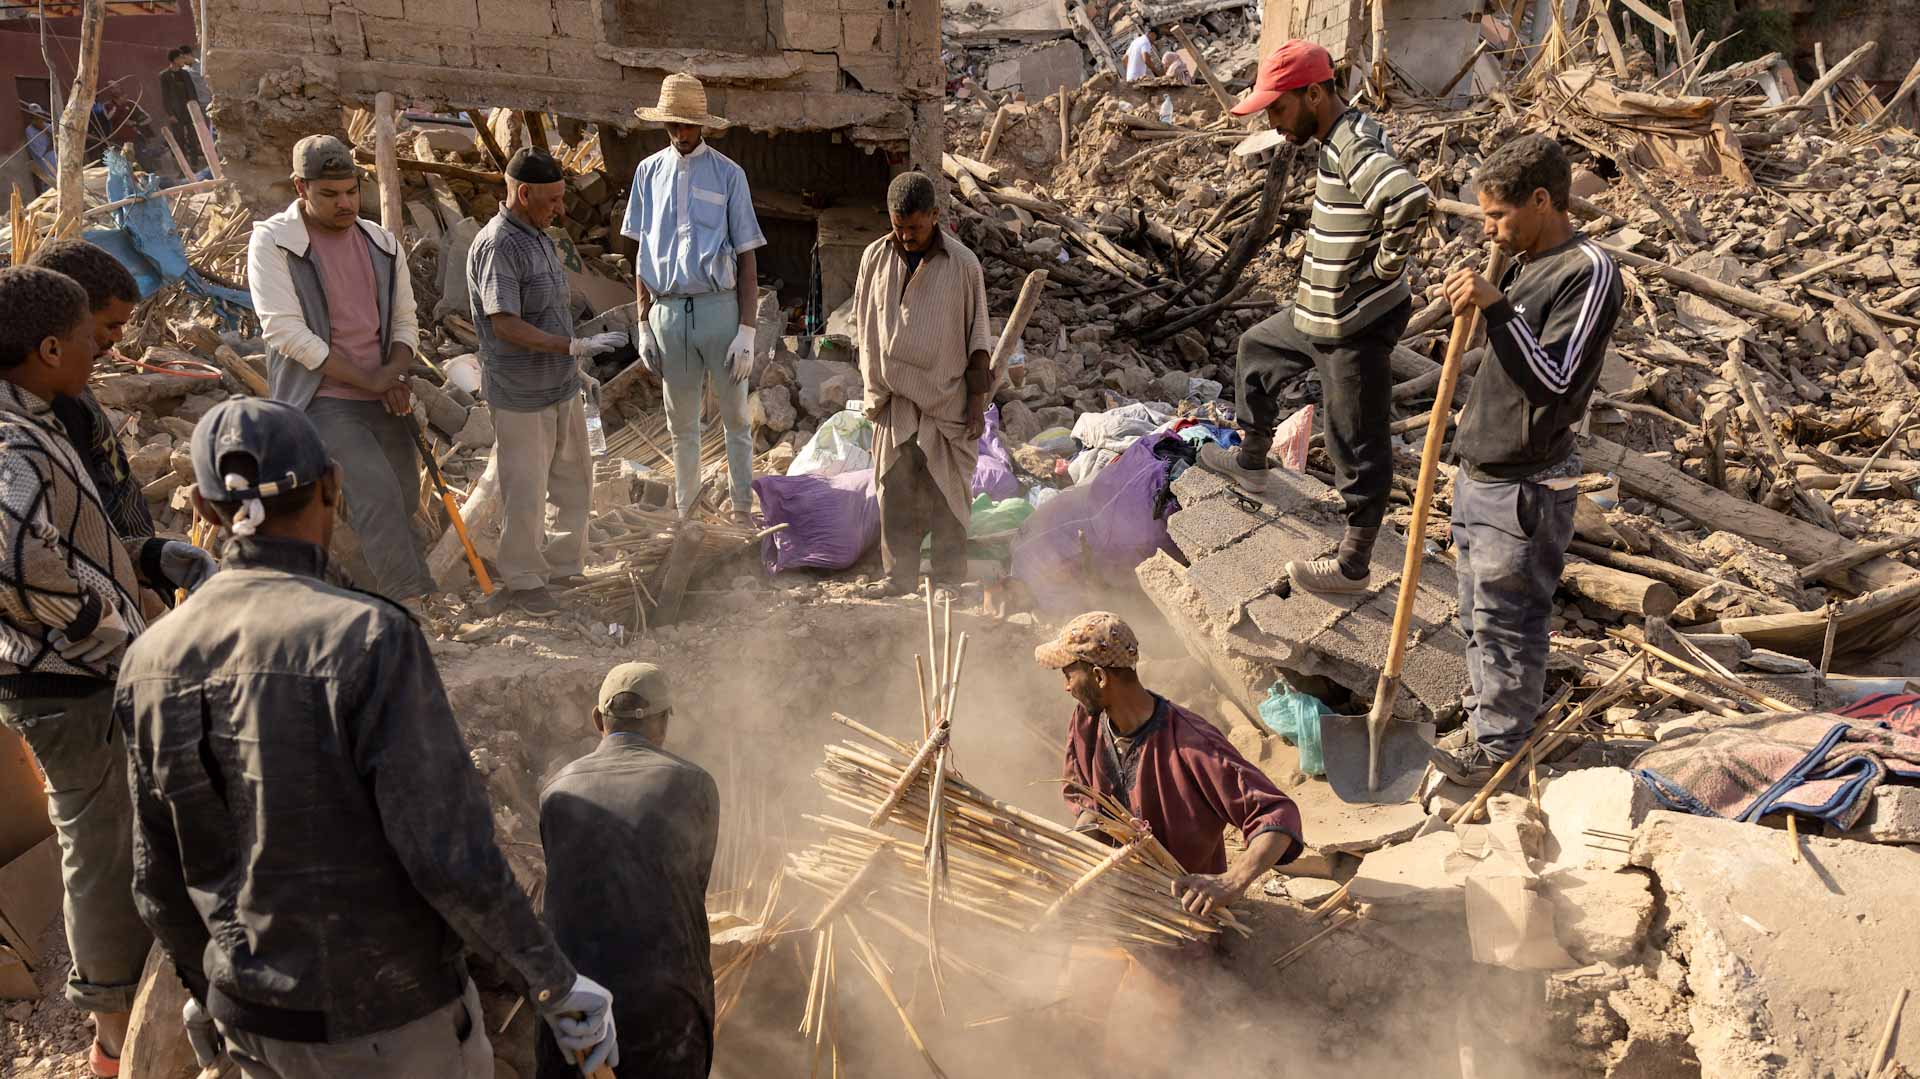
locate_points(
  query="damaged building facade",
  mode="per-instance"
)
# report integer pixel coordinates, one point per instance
(828, 98)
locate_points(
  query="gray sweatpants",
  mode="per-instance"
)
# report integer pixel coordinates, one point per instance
(83, 756)
(380, 474)
(694, 333)
(1510, 544)
(450, 1042)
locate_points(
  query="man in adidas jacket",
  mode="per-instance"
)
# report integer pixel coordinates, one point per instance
(1548, 323)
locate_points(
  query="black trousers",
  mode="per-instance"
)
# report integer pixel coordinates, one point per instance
(911, 505)
(1356, 384)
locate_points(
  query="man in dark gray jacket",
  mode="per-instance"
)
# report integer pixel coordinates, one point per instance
(335, 302)
(313, 847)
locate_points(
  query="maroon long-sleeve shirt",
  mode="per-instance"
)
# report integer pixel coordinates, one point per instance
(1184, 779)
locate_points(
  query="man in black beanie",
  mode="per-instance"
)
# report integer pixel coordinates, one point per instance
(530, 372)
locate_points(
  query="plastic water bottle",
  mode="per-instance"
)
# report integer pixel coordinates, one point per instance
(596, 434)
(1166, 109)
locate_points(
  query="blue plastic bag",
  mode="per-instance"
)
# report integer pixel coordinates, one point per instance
(1295, 717)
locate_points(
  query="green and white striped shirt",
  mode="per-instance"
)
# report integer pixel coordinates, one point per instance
(1367, 210)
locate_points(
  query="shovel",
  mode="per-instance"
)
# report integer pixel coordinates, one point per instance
(1396, 752)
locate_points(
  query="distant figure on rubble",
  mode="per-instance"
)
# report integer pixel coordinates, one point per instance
(531, 370)
(335, 301)
(1168, 766)
(1352, 306)
(632, 827)
(921, 326)
(1142, 60)
(176, 90)
(1174, 63)
(697, 281)
(1548, 324)
(69, 603)
(111, 295)
(315, 849)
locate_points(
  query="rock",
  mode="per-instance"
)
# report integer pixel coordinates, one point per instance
(1055, 416)
(199, 404)
(1131, 380)
(1193, 348)
(772, 408)
(181, 430)
(20, 1012)
(1893, 816)
(150, 462)
(446, 415)
(1601, 799)
(1587, 183)
(478, 431)
(1766, 571)
(781, 456)
(1790, 964)
(1173, 386)
(1414, 878)
(1308, 891)
(1601, 915)
(1883, 369)
(1709, 320)
(1017, 423)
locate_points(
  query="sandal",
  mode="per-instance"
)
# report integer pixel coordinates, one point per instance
(101, 1065)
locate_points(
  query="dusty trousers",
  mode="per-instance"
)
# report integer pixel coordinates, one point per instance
(450, 1041)
(1509, 544)
(1356, 388)
(83, 755)
(694, 332)
(911, 505)
(380, 474)
(542, 458)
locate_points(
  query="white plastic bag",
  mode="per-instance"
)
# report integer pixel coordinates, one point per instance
(842, 444)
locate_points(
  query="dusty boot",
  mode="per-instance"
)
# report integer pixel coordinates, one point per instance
(1224, 462)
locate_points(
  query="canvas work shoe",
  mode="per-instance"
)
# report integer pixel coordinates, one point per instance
(534, 601)
(1323, 575)
(1225, 462)
(1463, 760)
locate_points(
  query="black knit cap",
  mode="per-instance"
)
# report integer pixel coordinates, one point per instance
(531, 166)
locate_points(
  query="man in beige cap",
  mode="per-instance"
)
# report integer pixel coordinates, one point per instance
(632, 827)
(697, 283)
(335, 302)
(1169, 766)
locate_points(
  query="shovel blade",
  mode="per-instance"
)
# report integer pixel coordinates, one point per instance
(1348, 748)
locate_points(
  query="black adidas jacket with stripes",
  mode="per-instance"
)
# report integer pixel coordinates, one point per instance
(1547, 337)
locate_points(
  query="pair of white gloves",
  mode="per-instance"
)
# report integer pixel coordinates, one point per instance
(739, 353)
(581, 1021)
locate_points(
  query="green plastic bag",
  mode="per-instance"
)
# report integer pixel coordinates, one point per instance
(1295, 717)
(990, 518)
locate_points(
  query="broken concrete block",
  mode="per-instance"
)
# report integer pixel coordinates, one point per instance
(1511, 925)
(1412, 879)
(1893, 816)
(477, 432)
(1790, 964)
(1606, 800)
(1602, 915)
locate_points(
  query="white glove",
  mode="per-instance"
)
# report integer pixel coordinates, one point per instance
(650, 353)
(582, 1022)
(581, 348)
(185, 565)
(108, 636)
(208, 1045)
(740, 355)
(590, 386)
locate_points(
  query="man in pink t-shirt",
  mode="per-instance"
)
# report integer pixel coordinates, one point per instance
(335, 302)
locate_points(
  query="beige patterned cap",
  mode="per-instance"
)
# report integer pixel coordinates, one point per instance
(1097, 637)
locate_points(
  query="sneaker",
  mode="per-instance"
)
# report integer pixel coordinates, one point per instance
(1224, 462)
(887, 588)
(534, 601)
(1323, 575)
(1463, 760)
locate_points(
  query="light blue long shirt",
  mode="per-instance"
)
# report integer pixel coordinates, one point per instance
(692, 216)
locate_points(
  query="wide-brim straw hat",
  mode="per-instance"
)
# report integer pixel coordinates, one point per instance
(683, 100)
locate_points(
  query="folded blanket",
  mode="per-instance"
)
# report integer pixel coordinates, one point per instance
(1816, 764)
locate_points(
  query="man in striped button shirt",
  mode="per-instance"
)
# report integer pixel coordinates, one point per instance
(1352, 305)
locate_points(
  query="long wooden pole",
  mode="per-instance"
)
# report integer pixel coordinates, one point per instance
(71, 135)
(386, 165)
(204, 132)
(1388, 689)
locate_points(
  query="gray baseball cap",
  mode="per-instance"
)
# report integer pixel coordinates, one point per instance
(282, 442)
(323, 157)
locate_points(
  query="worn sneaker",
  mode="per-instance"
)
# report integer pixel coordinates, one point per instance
(888, 588)
(534, 601)
(1463, 760)
(1323, 575)
(1225, 462)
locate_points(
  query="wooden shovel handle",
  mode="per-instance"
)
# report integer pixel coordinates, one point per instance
(1464, 325)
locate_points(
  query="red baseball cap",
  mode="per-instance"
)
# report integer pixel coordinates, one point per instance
(1294, 64)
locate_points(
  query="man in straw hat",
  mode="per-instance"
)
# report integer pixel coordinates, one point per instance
(1352, 304)
(633, 827)
(530, 369)
(1167, 765)
(697, 283)
(315, 850)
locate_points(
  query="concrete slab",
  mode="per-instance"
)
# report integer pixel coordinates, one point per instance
(1892, 817)
(1601, 915)
(1602, 799)
(1415, 879)
(1791, 965)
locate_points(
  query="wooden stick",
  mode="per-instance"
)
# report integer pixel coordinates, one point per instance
(1826, 641)
(914, 768)
(1017, 322)
(1731, 685)
(205, 134)
(1885, 1049)
(1065, 123)
(386, 166)
(994, 132)
(485, 134)
(920, 679)
(1087, 880)
(1206, 70)
(187, 171)
(1826, 97)
(1884, 446)
(860, 876)
(1814, 571)
(1340, 921)
(871, 960)
(1825, 267)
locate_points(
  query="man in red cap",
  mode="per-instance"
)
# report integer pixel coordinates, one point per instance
(1351, 307)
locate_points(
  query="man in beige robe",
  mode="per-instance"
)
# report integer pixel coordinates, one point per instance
(920, 306)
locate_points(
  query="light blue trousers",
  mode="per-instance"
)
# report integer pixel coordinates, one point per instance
(694, 334)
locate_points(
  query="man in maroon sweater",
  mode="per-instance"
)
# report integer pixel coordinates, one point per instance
(1170, 767)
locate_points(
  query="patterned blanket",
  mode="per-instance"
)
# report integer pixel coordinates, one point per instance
(1816, 764)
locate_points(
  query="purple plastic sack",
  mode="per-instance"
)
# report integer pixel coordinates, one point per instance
(831, 520)
(1111, 516)
(993, 473)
